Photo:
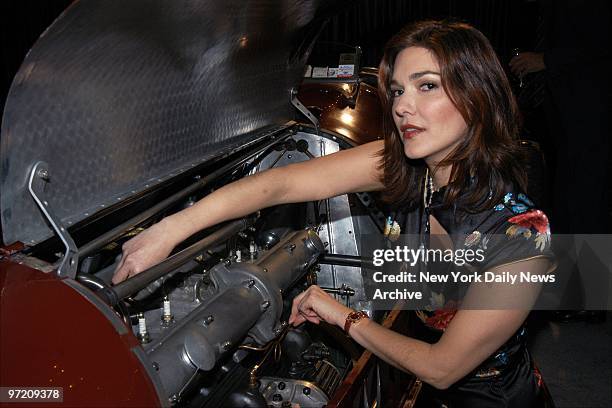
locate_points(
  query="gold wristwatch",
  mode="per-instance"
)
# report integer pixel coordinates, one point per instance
(354, 317)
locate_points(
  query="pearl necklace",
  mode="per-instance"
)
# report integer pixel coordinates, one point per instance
(428, 189)
(428, 192)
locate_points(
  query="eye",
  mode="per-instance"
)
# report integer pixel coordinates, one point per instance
(427, 86)
(396, 92)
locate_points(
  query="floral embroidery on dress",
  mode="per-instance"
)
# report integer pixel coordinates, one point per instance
(436, 301)
(484, 241)
(524, 223)
(392, 230)
(487, 372)
(518, 206)
(438, 314)
(442, 317)
(524, 199)
(502, 357)
(472, 239)
(538, 376)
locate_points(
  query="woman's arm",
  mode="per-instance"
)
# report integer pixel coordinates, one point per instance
(346, 171)
(471, 337)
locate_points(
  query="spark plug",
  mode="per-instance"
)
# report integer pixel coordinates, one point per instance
(143, 334)
(167, 317)
(253, 250)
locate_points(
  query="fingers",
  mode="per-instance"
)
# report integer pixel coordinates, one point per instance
(122, 272)
(313, 319)
(303, 308)
(295, 314)
(143, 251)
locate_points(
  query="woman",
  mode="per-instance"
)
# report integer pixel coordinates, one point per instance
(449, 164)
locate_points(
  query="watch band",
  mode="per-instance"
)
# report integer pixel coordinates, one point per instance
(352, 318)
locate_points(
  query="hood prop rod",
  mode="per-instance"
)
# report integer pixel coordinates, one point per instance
(304, 110)
(38, 180)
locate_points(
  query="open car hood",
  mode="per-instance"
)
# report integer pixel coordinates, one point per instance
(118, 96)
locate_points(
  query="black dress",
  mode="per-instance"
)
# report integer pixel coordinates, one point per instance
(509, 231)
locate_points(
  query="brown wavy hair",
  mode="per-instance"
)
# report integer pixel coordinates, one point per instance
(488, 159)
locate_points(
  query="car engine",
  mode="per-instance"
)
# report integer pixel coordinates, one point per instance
(214, 325)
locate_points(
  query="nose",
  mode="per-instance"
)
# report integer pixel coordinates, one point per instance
(404, 105)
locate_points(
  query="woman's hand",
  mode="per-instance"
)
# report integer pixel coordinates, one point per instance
(315, 305)
(147, 249)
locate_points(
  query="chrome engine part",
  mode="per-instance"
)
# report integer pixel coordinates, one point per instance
(277, 391)
(247, 301)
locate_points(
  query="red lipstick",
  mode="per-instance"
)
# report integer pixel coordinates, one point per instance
(409, 130)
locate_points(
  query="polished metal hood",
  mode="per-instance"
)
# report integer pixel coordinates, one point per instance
(117, 96)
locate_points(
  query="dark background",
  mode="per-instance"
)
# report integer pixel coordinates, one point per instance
(368, 23)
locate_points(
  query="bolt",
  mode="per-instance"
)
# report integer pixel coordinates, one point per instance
(43, 174)
(228, 262)
(209, 319)
(265, 304)
(250, 283)
(281, 385)
(306, 391)
(280, 328)
(265, 270)
(227, 345)
(156, 366)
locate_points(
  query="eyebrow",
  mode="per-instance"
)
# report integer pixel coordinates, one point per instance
(416, 75)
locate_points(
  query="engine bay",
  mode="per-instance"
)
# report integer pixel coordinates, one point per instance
(213, 325)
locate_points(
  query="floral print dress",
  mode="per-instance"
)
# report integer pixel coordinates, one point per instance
(509, 231)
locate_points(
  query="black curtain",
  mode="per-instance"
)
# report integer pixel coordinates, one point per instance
(21, 23)
(370, 23)
(367, 23)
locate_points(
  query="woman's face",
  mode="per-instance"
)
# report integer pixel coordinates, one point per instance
(427, 121)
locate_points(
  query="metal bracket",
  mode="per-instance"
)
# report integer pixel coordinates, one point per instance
(300, 106)
(39, 177)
